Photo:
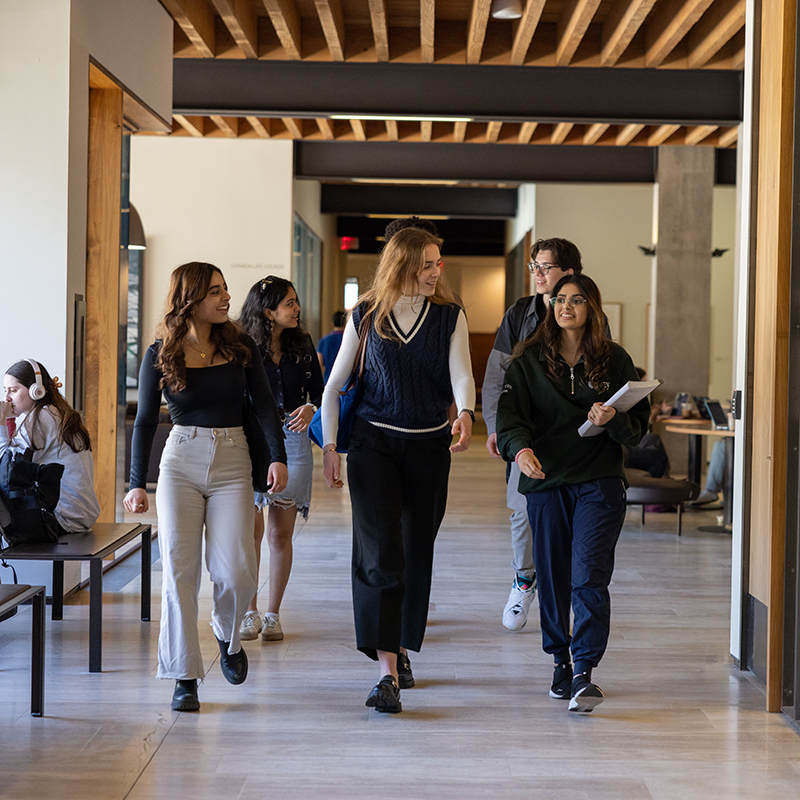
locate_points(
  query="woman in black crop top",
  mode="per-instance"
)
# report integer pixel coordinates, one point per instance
(206, 369)
(271, 315)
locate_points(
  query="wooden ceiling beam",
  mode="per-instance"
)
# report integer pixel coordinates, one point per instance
(196, 19)
(293, 126)
(696, 134)
(241, 22)
(286, 21)
(594, 132)
(493, 131)
(391, 130)
(358, 130)
(260, 126)
(426, 130)
(560, 132)
(526, 131)
(669, 23)
(228, 125)
(332, 20)
(572, 25)
(325, 128)
(622, 23)
(380, 28)
(722, 22)
(525, 29)
(427, 30)
(476, 29)
(627, 133)
(661, 134)
(194, 126)
(728, 137)
(459, 131)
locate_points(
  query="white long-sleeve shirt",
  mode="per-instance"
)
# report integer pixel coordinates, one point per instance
(406, 311)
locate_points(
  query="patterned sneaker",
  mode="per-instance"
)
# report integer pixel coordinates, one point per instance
(272, 631)
(515, 614)
(405, 677)
(251, 626)
(585, 695)
(562, 682)
(385, 696)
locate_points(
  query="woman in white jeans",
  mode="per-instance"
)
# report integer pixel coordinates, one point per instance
(206, 369)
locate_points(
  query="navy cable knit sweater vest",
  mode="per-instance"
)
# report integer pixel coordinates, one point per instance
(406, 387)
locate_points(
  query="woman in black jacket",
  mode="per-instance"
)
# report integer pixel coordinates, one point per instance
(574, 486)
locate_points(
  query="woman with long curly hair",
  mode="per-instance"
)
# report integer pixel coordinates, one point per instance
(206, 369)
(47, 424)
(271, 316)
(416, 362)
(574, 486)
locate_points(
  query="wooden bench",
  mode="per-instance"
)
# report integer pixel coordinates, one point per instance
(11, 596)
(94, 546)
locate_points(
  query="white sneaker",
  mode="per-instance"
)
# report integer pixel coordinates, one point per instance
(515, 614)
(272, 631)
(251, 626)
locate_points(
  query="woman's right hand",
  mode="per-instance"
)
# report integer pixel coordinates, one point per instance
(136, 501)
(529, 465)
(331, 469)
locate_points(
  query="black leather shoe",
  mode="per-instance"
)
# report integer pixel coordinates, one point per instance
(184, 698)
(234, 667)
(405, 677)
(385, 696)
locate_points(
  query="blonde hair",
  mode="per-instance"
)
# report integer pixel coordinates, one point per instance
(401, 261)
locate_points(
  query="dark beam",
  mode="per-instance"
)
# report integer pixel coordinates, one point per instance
(420, 200)
(506, 94)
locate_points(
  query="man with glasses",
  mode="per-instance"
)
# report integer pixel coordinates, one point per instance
(551, 260)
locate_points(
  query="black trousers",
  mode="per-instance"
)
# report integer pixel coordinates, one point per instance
(398, 490)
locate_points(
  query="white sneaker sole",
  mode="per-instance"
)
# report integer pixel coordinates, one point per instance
(249, 636)
(585, 703)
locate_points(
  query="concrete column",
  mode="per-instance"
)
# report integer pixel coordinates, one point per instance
(681, 303)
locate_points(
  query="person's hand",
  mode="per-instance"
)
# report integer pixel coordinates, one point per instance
(277, 477)
(331, 469)
(491, 446)
(300, 418)
(529, 465)
(136, 501)
(600, 414)
(462, 428)
(6, 410)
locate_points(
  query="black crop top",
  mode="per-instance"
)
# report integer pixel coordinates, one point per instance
(214, 397)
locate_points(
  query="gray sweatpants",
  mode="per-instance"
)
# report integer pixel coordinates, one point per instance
(521, 538)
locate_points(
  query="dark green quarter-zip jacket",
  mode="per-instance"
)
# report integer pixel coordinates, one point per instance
(535, 411)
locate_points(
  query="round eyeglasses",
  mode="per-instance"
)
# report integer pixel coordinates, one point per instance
(572, 302)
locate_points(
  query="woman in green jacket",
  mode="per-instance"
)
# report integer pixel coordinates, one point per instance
(574, 486)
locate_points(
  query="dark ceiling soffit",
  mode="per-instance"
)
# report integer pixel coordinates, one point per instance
(475, 162)
(420, 200)
(560, 94)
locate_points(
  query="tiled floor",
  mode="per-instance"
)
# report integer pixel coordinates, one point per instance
(679, 720)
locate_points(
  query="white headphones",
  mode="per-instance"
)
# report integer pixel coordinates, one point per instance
(36, 390)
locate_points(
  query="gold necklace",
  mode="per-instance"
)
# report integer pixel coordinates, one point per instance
(191, 344)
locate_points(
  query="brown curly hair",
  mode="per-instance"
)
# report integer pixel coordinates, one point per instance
(188, 286)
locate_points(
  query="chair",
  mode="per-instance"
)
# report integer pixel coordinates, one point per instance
(645, 490)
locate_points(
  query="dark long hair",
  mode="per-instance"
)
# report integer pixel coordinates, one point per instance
(269, 293)
(188, 286)
(595, 348)
(71, 429)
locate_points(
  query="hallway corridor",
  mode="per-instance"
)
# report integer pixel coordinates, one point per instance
(679, 720)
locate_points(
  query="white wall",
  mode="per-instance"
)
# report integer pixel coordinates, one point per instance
(526, 216)
(228, 202)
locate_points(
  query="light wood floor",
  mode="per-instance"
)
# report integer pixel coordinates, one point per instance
(679, 721)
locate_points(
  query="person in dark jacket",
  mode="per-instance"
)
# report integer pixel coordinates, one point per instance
(574, 485)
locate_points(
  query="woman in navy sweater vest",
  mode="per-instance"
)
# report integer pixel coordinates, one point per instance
(416, 362)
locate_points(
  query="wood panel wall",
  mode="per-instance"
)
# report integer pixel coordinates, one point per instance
(769, 402)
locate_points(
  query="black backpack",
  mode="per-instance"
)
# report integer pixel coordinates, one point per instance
(28, 497)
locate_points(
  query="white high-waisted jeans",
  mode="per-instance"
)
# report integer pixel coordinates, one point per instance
(205, 480)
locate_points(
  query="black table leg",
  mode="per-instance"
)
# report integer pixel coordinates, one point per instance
(96, 615)
(695, 458)
(147, 560)
(58, 590)
(37, 655)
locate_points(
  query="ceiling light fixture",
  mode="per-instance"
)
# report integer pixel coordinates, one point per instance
(407, 181)
(398, 118)
(506, 9)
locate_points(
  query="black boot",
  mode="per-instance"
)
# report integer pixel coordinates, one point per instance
(184, 698)
(234, 667)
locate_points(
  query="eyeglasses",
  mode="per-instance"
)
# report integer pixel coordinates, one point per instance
(541, 269)
(572, 302)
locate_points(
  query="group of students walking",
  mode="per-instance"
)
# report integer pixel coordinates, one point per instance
(241, 396)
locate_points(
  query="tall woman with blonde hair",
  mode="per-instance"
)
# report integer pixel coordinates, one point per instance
(416, 362)
(206, 369)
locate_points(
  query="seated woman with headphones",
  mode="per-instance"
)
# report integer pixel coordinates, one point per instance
(45, 422)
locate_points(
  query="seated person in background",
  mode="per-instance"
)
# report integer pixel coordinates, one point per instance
(715, 476)
(649, 455)
(328, 346)
(45, 422)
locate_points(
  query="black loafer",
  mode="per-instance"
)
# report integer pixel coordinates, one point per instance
(184, 698)
(405, 677)
(234, 667)
(385, 696)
